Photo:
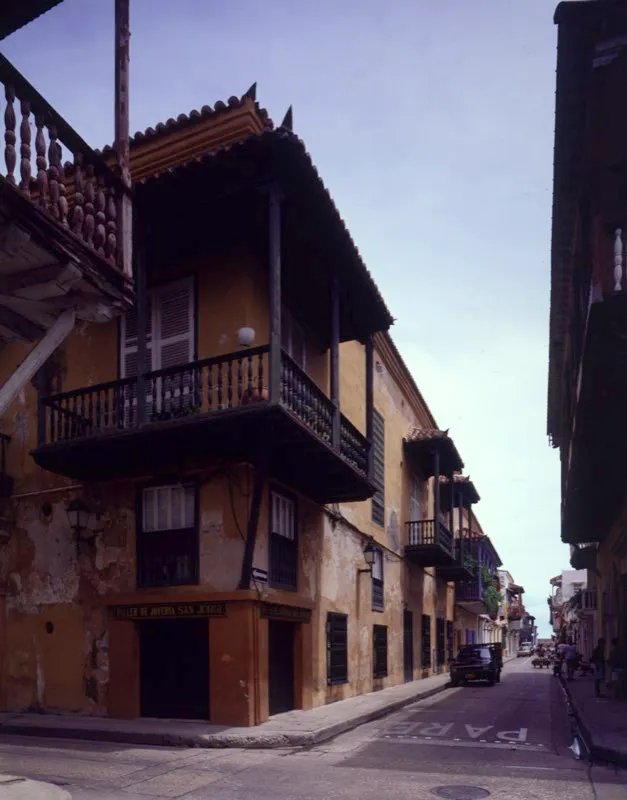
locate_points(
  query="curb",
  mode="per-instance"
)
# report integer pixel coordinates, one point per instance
(13, 787)
(595, 752)
(249, 741)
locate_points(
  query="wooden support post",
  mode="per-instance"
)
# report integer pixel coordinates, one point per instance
(274, 259)
(436, 495)
(335, 363)
(369, 350)
(259, 484)
(141, 289)
(122, 147)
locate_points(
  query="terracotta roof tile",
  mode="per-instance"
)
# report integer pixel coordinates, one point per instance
(282, 136)
(195, 117)
(426, 435)
(285, 138)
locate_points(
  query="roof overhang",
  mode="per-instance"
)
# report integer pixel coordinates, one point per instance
(17, 13)
(424, 443)
(280, 156)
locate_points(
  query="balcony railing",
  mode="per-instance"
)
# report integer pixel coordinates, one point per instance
(81, 195)
(428, 533)
(515, 610)
(210, 386)
(469, 591)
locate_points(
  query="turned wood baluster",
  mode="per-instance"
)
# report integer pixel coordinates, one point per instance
(10, 156)
(101, 203)
(618, 259)
(25, 149)
(78, 212)
(90, 197)
(54, 169)
(112, 226)
(40, 150)
(63, 203)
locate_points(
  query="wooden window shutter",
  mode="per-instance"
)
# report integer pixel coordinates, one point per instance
(174, 324)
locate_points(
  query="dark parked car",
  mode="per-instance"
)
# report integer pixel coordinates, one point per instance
(477, 662)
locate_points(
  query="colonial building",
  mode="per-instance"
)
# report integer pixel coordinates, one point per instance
(587, 388)
(477, 598)
(65, 262)
(236, 480)
(511, 611)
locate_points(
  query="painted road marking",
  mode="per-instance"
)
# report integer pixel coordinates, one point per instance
(496, 745)
(427, 730)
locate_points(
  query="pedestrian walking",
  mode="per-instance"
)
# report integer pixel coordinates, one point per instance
(597, 659)
(570, 655)
(616, 664)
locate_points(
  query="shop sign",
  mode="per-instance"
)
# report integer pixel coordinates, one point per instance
(168, 611)
(288, 613)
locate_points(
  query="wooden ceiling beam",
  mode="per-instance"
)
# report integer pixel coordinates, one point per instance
(22, 326)
(15, 281)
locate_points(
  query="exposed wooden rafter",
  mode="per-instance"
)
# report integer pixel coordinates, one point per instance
(23, 327)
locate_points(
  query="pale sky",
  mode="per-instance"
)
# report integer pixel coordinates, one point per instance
(432, 125)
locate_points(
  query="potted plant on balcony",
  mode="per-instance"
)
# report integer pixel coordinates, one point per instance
(491, 594)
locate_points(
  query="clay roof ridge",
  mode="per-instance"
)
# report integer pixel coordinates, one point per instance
(194, 117)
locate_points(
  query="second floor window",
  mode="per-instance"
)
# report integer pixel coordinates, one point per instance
(293, 338)
(169, 329)
(170, 342)
(283, 572)
(377, 582)
(378, 445)
(414, 498)
(167, 537)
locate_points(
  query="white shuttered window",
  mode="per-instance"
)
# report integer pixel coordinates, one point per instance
(170, 329)
(168, 508)
(283, 517)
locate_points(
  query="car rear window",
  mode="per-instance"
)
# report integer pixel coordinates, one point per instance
(473, 653)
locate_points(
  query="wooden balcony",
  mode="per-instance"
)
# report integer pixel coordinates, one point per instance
(65, 225)
(429, 543)
(469, 595)
(189, 416)
(461, 568)
(583, 556)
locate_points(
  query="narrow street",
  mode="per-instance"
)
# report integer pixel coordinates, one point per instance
(511, 741)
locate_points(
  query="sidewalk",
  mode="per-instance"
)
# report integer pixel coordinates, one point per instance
(292, 729)
(603, 721)
(14, 788)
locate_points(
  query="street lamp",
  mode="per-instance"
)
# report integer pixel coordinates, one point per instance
(370, 553)
(80, 516)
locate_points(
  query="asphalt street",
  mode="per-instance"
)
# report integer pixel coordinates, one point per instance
(510, 741)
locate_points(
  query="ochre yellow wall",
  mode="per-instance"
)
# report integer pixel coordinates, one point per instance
(48, 581)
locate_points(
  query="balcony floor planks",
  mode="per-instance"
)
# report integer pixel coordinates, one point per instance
(430, 555)
(297, 456)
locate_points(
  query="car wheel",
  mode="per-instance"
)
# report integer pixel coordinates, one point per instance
(491, 682)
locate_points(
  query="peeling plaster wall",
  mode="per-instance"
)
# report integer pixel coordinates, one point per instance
(56, 644)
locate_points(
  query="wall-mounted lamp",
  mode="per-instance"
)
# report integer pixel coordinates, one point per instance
(81, 518)
(246, 337)
(370, 553)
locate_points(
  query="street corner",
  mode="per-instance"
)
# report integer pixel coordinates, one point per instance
(15, 787)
